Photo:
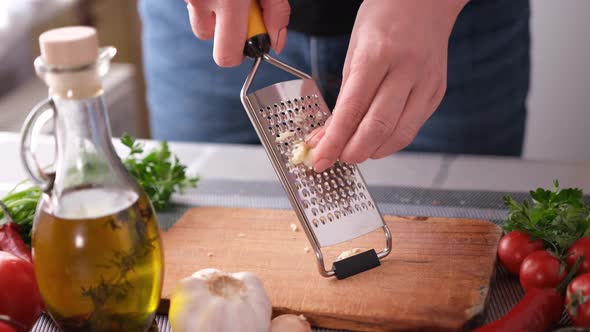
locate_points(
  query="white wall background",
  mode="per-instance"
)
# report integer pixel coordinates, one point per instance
(558, 127)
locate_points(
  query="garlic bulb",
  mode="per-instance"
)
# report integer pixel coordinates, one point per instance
(211, 300)
(290, 323)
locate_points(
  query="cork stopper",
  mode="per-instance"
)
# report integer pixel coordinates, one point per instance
(69, 47)
(74, 51)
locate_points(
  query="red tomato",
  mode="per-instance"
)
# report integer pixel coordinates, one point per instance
(580, 247)
(513, 249)
(540, 269)
(19, 295)
(5, 327)
(577, 301)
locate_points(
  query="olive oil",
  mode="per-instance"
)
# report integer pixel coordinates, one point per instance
(96, 243)
(98, 260)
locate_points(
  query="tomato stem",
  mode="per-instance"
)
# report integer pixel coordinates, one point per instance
(570, 275)
(555, 250)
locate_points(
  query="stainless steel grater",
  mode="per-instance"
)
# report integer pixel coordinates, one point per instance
(333, 206)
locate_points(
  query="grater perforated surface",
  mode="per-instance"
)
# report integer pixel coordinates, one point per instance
(336, 203)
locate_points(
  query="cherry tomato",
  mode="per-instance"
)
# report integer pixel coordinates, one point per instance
(577, 300)
(540, 269)
(580, 247)
(513, 249)
(19, 295)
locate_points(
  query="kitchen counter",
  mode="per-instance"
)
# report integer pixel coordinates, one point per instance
(406, 169)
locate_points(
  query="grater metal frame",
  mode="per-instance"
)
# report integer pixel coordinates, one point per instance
(308, 224)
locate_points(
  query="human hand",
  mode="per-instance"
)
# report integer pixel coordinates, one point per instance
(394, 77)
(226, 21)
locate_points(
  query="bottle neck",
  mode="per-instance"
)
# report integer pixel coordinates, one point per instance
(86, 156)
(74, 85)
(82, 121)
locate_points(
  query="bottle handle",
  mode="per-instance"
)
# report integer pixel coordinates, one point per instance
(40, 178)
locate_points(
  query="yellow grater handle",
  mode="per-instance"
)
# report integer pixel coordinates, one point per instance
(255, 21)
(258, 40)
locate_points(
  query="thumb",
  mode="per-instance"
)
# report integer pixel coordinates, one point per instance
(275, 14)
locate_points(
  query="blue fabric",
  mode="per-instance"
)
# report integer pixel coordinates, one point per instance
(190, 98)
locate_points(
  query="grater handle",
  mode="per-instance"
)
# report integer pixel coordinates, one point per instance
(258, 42)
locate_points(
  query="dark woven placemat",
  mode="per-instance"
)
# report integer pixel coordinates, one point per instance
(505, 289)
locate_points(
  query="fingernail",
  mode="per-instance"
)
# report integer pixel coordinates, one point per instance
(281, 38)
(322, 165)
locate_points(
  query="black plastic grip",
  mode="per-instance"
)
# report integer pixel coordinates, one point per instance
(356, 264)
(257, 46)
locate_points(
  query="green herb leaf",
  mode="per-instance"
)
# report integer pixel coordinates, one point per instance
(159, 172)
(22, 206)
(559, 217)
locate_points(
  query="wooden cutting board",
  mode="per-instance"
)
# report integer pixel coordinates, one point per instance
(436, 278)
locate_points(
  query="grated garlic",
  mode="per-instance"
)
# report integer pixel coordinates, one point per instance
(302, 153)
(348, 253)
(299, 119)
(284, 136)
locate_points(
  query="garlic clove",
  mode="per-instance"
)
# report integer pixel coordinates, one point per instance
(302, 154)
(290, 323)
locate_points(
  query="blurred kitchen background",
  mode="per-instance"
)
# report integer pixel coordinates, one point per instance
(558, 126)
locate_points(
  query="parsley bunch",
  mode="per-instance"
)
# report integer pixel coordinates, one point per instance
(159, 173)
(559, 217)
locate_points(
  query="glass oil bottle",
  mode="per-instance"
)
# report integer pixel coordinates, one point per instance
(96, 242)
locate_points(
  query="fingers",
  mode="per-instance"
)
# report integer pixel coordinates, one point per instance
(230, 32)
(275, 14)
(227, 22)
(359, 88)
(202, 20)
(317, 134)
(419, 107)
(381, 119)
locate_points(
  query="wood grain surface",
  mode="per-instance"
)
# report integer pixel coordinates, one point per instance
(436, 278)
